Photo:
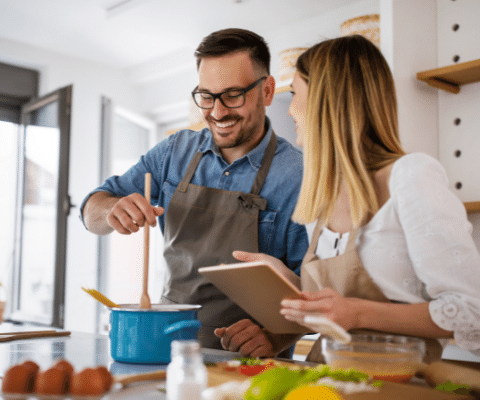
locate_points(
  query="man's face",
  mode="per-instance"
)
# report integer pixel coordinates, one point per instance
(233, 127)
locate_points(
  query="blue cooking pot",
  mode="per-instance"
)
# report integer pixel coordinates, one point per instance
(144, 336)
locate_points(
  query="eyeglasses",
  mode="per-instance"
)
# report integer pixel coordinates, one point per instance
(232, 98)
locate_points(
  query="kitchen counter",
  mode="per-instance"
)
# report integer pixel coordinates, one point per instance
(88, 350)
(84, 350)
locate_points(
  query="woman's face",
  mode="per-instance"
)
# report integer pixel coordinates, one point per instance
(298, 106)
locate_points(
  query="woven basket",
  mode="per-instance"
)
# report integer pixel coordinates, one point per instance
(288, 59)
(367, 26)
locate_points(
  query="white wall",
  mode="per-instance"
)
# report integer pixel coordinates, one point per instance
(90, 81)
(408, 31)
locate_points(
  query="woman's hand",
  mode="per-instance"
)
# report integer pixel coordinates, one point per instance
(245, 256)
(325, 303)
(274, 262)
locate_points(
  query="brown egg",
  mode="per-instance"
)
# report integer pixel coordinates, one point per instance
(88, 381)
(107, 377)
(52, 381)
(19, 379)
(32, 367)
(65, 365)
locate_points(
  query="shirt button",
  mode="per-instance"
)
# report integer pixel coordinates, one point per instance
(227, 173)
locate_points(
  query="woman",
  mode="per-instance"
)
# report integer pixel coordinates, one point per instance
(392, 249)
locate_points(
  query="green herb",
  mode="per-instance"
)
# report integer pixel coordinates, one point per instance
(250, 361)
(349, 375)
(162, 390)
(453, 388)
(210, 364)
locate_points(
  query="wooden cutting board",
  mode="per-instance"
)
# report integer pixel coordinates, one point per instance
(217, 375)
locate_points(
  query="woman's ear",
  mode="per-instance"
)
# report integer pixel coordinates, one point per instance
(269, 90)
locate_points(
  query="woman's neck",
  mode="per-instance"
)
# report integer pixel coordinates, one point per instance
(341, 219)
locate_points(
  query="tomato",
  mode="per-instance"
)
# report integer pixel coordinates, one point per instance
(250, 370)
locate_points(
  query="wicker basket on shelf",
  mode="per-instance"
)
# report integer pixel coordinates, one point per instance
(288, 59)
(367, 26)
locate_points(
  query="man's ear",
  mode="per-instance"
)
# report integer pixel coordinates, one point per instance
(269, 90)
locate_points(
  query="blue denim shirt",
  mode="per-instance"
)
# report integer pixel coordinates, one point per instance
(168, 161)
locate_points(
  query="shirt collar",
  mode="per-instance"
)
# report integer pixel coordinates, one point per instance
(255, 156)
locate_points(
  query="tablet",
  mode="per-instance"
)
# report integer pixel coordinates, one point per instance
(257, 288)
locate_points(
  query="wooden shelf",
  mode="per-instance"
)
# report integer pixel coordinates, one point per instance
(452, 77)
(472, 207)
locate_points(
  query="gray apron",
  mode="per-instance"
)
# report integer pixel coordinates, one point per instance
(203, 226)
(347, 276)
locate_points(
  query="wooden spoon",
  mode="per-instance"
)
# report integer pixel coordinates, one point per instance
(145, 299)
(125, 380)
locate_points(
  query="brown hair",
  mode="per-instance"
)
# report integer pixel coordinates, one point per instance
(352, 127)
(231, 40)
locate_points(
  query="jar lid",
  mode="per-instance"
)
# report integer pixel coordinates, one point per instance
(185, 347)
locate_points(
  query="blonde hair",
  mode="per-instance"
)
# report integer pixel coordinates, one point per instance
(352, 127)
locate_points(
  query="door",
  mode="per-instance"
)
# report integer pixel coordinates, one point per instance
(42, 206)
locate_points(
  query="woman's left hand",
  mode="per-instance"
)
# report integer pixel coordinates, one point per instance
(325, 303)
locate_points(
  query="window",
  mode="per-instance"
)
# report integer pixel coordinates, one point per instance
(125, 137)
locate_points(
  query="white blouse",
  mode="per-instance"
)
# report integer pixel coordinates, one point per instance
(418, 247)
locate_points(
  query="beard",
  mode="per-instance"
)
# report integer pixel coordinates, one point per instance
(230, 139)
(252, 124)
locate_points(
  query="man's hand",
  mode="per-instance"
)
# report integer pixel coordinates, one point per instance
(131, 212)
(104, 213)
(247, 338)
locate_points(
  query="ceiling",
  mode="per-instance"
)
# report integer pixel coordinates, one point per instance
(128, 33)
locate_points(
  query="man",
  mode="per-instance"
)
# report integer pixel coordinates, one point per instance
(230, 187)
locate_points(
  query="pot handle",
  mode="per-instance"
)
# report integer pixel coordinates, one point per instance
(191, 326)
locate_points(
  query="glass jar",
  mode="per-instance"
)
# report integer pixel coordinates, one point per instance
(186, 373)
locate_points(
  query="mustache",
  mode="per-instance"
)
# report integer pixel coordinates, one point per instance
(227, 118)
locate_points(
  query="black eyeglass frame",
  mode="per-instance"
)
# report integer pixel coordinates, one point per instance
(216, 96)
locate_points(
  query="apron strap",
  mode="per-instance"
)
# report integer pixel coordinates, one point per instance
(259, 179)
(182, 186)
(352, 237)
(265, 167)
(316, 235)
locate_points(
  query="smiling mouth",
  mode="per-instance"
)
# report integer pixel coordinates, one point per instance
(226, 124)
